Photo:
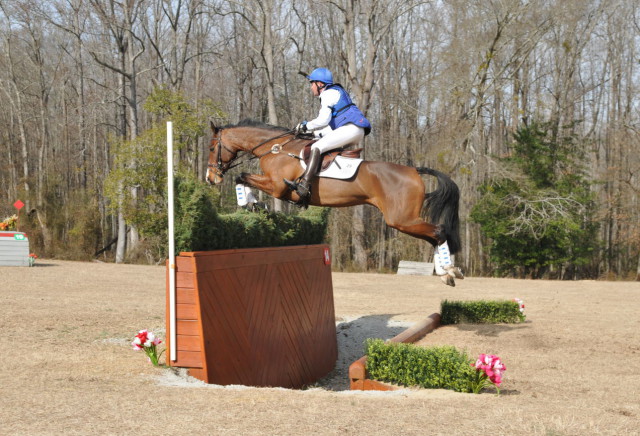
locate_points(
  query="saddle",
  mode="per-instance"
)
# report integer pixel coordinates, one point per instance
(328, 158)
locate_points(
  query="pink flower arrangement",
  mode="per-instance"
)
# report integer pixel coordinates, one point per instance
(489, 369)
(147, 341)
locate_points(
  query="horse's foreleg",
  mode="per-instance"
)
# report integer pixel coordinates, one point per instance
(264, 183)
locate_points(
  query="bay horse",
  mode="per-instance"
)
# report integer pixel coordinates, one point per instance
(396, 190)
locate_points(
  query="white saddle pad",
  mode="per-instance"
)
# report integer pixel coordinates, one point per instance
(341, 168)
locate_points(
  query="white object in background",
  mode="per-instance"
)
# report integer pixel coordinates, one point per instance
(244, 195)
(14, 249)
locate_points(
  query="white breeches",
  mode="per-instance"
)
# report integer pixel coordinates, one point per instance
(332, 139)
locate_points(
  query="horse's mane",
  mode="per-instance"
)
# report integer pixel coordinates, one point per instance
(248, 122)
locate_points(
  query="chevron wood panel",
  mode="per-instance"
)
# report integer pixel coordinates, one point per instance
(188, 327)
(266, 316)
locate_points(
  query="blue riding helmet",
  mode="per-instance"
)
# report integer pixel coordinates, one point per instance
(321, 75)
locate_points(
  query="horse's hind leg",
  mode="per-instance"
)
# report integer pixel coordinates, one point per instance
(444, 264)
(420, 229)
(433, 234)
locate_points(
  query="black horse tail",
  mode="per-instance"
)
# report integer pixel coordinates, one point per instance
(442, 207)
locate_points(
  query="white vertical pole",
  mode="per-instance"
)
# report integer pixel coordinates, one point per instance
(172, 248)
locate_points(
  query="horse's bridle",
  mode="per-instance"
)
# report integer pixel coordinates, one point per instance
(221, 167)
(224, 167)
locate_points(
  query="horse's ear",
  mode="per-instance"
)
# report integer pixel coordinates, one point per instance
(214, 129)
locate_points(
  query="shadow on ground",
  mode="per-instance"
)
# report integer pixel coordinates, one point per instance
(489, 330)
(351, 336)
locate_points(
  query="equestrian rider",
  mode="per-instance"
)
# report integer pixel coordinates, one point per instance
(339, 123)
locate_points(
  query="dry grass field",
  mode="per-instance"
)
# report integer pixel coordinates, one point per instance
(66, 366)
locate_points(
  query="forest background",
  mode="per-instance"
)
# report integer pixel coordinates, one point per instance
(530, 106)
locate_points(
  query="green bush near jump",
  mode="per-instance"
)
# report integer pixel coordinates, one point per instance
(199, 227)
(480, 312)
(195, 214)
(443, 367)
(249, 229)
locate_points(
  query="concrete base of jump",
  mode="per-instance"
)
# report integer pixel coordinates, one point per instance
(255, 317)
(358, 379)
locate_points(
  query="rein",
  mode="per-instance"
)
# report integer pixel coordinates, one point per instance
(224, 167)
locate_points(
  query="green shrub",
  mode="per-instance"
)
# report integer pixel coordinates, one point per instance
(198, 226)
(195, 217)
(480, 312)
(442, 367)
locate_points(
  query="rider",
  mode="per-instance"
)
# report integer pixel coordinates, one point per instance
(339, 123)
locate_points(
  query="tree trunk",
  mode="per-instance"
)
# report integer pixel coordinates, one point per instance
(121, 245)
(267, 56)
(134, 127)
(358, 238)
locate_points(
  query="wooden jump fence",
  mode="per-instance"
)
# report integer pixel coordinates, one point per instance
(256, 317)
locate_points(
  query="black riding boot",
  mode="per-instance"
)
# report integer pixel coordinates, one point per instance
(302, 184)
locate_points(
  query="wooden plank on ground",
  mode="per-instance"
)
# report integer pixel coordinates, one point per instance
(407, 267)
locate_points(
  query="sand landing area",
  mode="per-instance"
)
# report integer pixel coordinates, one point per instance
(67, 367)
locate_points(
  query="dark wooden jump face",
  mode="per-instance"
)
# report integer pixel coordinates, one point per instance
(255, 317)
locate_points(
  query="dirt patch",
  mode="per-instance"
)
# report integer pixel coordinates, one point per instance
(67, 366)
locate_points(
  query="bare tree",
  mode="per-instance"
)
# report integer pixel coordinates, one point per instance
(445, 85)
(120, 20)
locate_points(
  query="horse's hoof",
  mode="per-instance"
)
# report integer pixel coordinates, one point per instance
(454, 271)
(448, 280)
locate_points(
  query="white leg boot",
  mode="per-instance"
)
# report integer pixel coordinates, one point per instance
(437, 262)
(444, 265)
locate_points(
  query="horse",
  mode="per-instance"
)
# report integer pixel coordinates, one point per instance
(396, 190)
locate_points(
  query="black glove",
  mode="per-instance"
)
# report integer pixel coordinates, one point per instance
(301, 128)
